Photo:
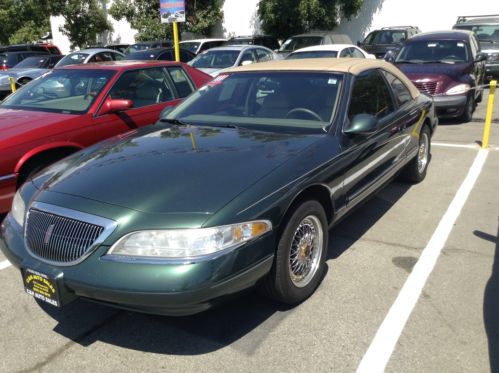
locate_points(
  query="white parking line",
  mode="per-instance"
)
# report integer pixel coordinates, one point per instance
(467, 146)
(4, 264)
(383, 344)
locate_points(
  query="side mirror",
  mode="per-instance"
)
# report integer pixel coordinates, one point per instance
(390, 56)
(359, 43)
(115, 105)
(362, 124)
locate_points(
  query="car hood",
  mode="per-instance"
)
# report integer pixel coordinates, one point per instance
(33, 73)
(19, 122)
(419, 70)
(181, 169)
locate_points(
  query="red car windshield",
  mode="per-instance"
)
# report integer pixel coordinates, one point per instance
(61, 91)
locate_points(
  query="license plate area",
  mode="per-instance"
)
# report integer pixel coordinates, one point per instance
(41, 286)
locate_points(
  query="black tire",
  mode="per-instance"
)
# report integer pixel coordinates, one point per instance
(467, 114)
(415, 170)
(285, 284)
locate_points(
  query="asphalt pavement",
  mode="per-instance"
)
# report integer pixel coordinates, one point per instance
(453, 326)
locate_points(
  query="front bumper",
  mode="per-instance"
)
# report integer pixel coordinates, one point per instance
(450, 106)
(159, 288)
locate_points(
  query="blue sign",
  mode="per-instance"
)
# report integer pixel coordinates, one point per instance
(172, 11)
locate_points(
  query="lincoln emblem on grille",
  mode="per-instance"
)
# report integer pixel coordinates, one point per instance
(48, 234)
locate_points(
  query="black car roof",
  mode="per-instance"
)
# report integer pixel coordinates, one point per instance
(442, 35)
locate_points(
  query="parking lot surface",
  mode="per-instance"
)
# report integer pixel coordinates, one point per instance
(453, 327)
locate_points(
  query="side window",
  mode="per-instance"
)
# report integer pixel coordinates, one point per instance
(181, 80)
(356, 53)
(247, 56)
(144, 87)
(263, 55)
(370, 95)
(400, 91)
(166, 56)
(117, 57)
(345, 53)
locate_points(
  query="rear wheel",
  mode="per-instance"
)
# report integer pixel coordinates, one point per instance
(415, 171)
(300, 257)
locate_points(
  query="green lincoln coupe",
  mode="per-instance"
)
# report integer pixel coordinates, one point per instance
(235, 187)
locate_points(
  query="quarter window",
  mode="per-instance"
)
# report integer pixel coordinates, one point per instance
(400, 91)
(181, 80)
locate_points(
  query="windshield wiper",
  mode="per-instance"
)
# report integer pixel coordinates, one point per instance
(174, 121)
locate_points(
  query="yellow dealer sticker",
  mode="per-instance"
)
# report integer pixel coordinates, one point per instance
(41, 287)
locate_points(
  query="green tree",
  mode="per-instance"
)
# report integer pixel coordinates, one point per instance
(84, 19)
(143, 15)
(283, 18)
(23, 21)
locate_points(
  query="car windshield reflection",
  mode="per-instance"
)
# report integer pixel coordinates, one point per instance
(61, 91)
(277, 101)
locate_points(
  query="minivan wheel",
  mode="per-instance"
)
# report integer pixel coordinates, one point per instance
(300, 257)
(468, 110)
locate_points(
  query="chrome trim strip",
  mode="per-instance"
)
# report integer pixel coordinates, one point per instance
(108, 224)
(8, 177)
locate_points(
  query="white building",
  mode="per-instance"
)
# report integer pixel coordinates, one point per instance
(240, 18)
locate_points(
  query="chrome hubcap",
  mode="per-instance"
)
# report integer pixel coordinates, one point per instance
(306, 250)
(423, 153)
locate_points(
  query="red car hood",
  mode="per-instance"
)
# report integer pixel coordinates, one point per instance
(15, 123)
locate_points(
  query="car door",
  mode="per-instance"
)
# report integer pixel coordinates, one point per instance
(374, 157)
(149, 89)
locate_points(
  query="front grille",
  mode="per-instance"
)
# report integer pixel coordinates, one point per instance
(426, 87)
(58, 238)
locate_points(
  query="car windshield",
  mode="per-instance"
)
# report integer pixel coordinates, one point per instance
(32, 62)
(447, 51)
(72, 59)
(61, 91)
(484, 33)
(297, 42)
(191, 46)
(385, 37)
(219, 59)
(274, 101)
(312, 54)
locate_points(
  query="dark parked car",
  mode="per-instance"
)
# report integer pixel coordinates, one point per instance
(310, 39)
(486, 29)
(379, 42)
(263, 40)
(144, 45)
(447, 65)
(76, 106)
(39, 47)
(236, 186)
(162, 54)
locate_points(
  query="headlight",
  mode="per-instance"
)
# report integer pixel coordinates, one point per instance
(188, 243)
(18, 209)
(458, 89)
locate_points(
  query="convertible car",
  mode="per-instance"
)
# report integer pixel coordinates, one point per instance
(237, 186)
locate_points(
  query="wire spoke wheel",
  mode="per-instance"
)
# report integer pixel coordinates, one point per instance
(423, 152)
(305, 252)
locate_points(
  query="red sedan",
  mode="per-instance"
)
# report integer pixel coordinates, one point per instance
(76, 106)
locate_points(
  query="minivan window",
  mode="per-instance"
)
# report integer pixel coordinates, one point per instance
(297, 42)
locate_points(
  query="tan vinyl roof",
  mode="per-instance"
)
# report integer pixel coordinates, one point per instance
(353, 66)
